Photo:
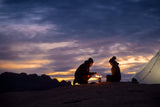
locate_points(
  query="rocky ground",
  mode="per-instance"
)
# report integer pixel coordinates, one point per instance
(123, 94)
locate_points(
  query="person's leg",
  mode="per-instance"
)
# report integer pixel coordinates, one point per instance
(74, 81)
(108, 78)
(82, 81)
(116, 79)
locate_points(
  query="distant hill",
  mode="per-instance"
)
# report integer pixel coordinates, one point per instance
(23, 82)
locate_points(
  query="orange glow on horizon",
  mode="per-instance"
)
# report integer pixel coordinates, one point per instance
(130, 73)
(15, 65)
(69, 78)
(131, 61)
(126, 66)
(70, 71)
(59, 73)
(124, 63)
(134, 59)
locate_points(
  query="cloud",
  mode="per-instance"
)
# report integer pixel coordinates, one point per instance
(117, 47)
(22, 31)
(69, 72)
(42, 46)
(90, 19)
(16, 65)
(67, 33)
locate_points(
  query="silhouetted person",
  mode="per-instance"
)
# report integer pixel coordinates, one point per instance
(115, 70)
(82, 74)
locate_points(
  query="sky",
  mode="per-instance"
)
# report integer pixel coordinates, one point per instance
(54, 37)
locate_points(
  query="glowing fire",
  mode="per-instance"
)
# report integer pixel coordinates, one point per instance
(98, 76)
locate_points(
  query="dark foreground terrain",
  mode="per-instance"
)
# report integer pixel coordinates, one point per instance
(13, 82)
(122, 94)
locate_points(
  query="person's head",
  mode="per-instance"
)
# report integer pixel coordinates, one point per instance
(114, 57)
(112, 60)
(90, 60)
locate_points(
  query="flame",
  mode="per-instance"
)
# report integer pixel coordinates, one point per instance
(98, 76)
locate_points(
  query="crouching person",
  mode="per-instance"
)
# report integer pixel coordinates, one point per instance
(82, 74)
(115, 70)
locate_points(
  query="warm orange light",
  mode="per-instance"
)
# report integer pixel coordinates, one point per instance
(126, 66)
(98, 76)
(70, 71)
(134, 59)
(130, 73)
(69, 78)
(92, 79)
(59, 73)
(12, 65)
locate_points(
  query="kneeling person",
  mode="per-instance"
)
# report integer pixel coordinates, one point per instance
(82, 74)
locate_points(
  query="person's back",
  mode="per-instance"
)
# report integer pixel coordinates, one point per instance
(82, 70)
(116, 72)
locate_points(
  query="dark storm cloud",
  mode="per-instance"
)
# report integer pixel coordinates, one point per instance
(86, 19)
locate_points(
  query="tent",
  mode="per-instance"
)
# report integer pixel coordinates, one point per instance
(150, 73)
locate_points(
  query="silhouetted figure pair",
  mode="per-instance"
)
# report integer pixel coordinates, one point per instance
(115, 70)
(82, 74)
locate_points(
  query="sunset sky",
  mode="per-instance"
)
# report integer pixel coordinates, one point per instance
(54, 37)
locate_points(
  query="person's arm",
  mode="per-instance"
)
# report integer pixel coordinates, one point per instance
(113, 71)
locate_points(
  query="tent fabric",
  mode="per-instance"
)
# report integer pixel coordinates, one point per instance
(150, 73)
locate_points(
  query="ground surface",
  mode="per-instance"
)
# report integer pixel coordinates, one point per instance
(91, 95)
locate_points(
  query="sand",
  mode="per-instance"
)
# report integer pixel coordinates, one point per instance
(122, 94)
